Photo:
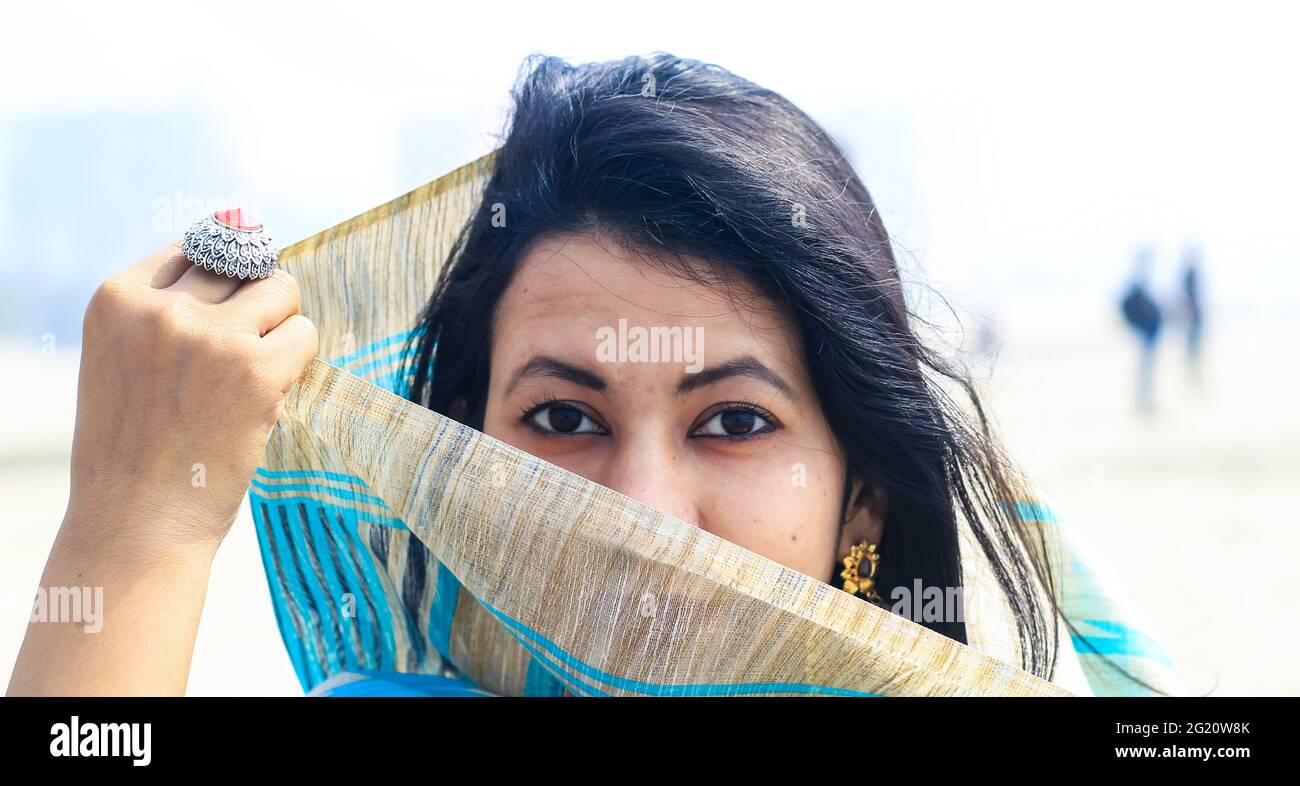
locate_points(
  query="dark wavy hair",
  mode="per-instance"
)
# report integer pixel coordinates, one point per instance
(675, 158)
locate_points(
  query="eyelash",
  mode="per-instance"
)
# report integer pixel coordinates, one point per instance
(772, 425)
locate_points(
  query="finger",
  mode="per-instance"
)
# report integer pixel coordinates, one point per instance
(291, 346)
(161, 268)
(265, 303)
(205, 285)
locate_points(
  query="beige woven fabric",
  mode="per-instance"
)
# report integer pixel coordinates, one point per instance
(613, 583)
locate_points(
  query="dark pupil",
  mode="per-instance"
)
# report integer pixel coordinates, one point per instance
(737, 421)
(565, 418)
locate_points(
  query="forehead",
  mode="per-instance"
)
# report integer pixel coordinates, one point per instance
(567, 286)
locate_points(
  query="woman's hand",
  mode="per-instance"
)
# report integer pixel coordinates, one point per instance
(183, 375)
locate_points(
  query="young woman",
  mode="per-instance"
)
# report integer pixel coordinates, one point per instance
(793, 409)
(666, 193)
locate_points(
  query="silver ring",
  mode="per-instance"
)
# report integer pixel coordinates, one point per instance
(232, 243)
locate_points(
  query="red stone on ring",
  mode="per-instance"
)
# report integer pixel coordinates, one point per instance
(238, 219)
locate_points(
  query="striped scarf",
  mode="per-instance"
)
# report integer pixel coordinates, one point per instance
(408, 554)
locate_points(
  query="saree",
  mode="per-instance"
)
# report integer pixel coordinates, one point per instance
(408, 554)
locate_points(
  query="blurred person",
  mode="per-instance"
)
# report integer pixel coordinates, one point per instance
(1144, 317)
(1193, 311)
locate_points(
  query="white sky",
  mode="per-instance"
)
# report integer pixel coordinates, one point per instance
(1012, 146)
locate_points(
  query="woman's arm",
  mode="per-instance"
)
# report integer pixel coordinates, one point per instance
(183, 374)
(136, 634)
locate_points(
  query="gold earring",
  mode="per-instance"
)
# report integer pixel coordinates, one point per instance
(854, 582)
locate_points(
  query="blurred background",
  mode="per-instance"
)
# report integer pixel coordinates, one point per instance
(1049, 177)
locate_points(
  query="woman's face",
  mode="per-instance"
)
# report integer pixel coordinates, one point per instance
(719, 426)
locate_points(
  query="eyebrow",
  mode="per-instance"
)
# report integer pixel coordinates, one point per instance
(548, 366)
(747, 366)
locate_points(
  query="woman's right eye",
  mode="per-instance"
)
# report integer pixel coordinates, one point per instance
(563, 419)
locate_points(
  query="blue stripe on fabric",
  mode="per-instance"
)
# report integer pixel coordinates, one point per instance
(388, 658)
(1032, 511)
(376, 683)
(382, 343)
(298, 593)
(279, 601)
(363, 515)
(541, 682)
(349, 563)
(655, 689)
(573, 682)
(321, 544)
(340, 477)
(343, 494)
(443, 610)
(1120, 639)
(320, 601)
(309, 668)
(378, 363)
(392, 363)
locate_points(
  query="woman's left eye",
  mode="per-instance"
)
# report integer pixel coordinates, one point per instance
(734, 423)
